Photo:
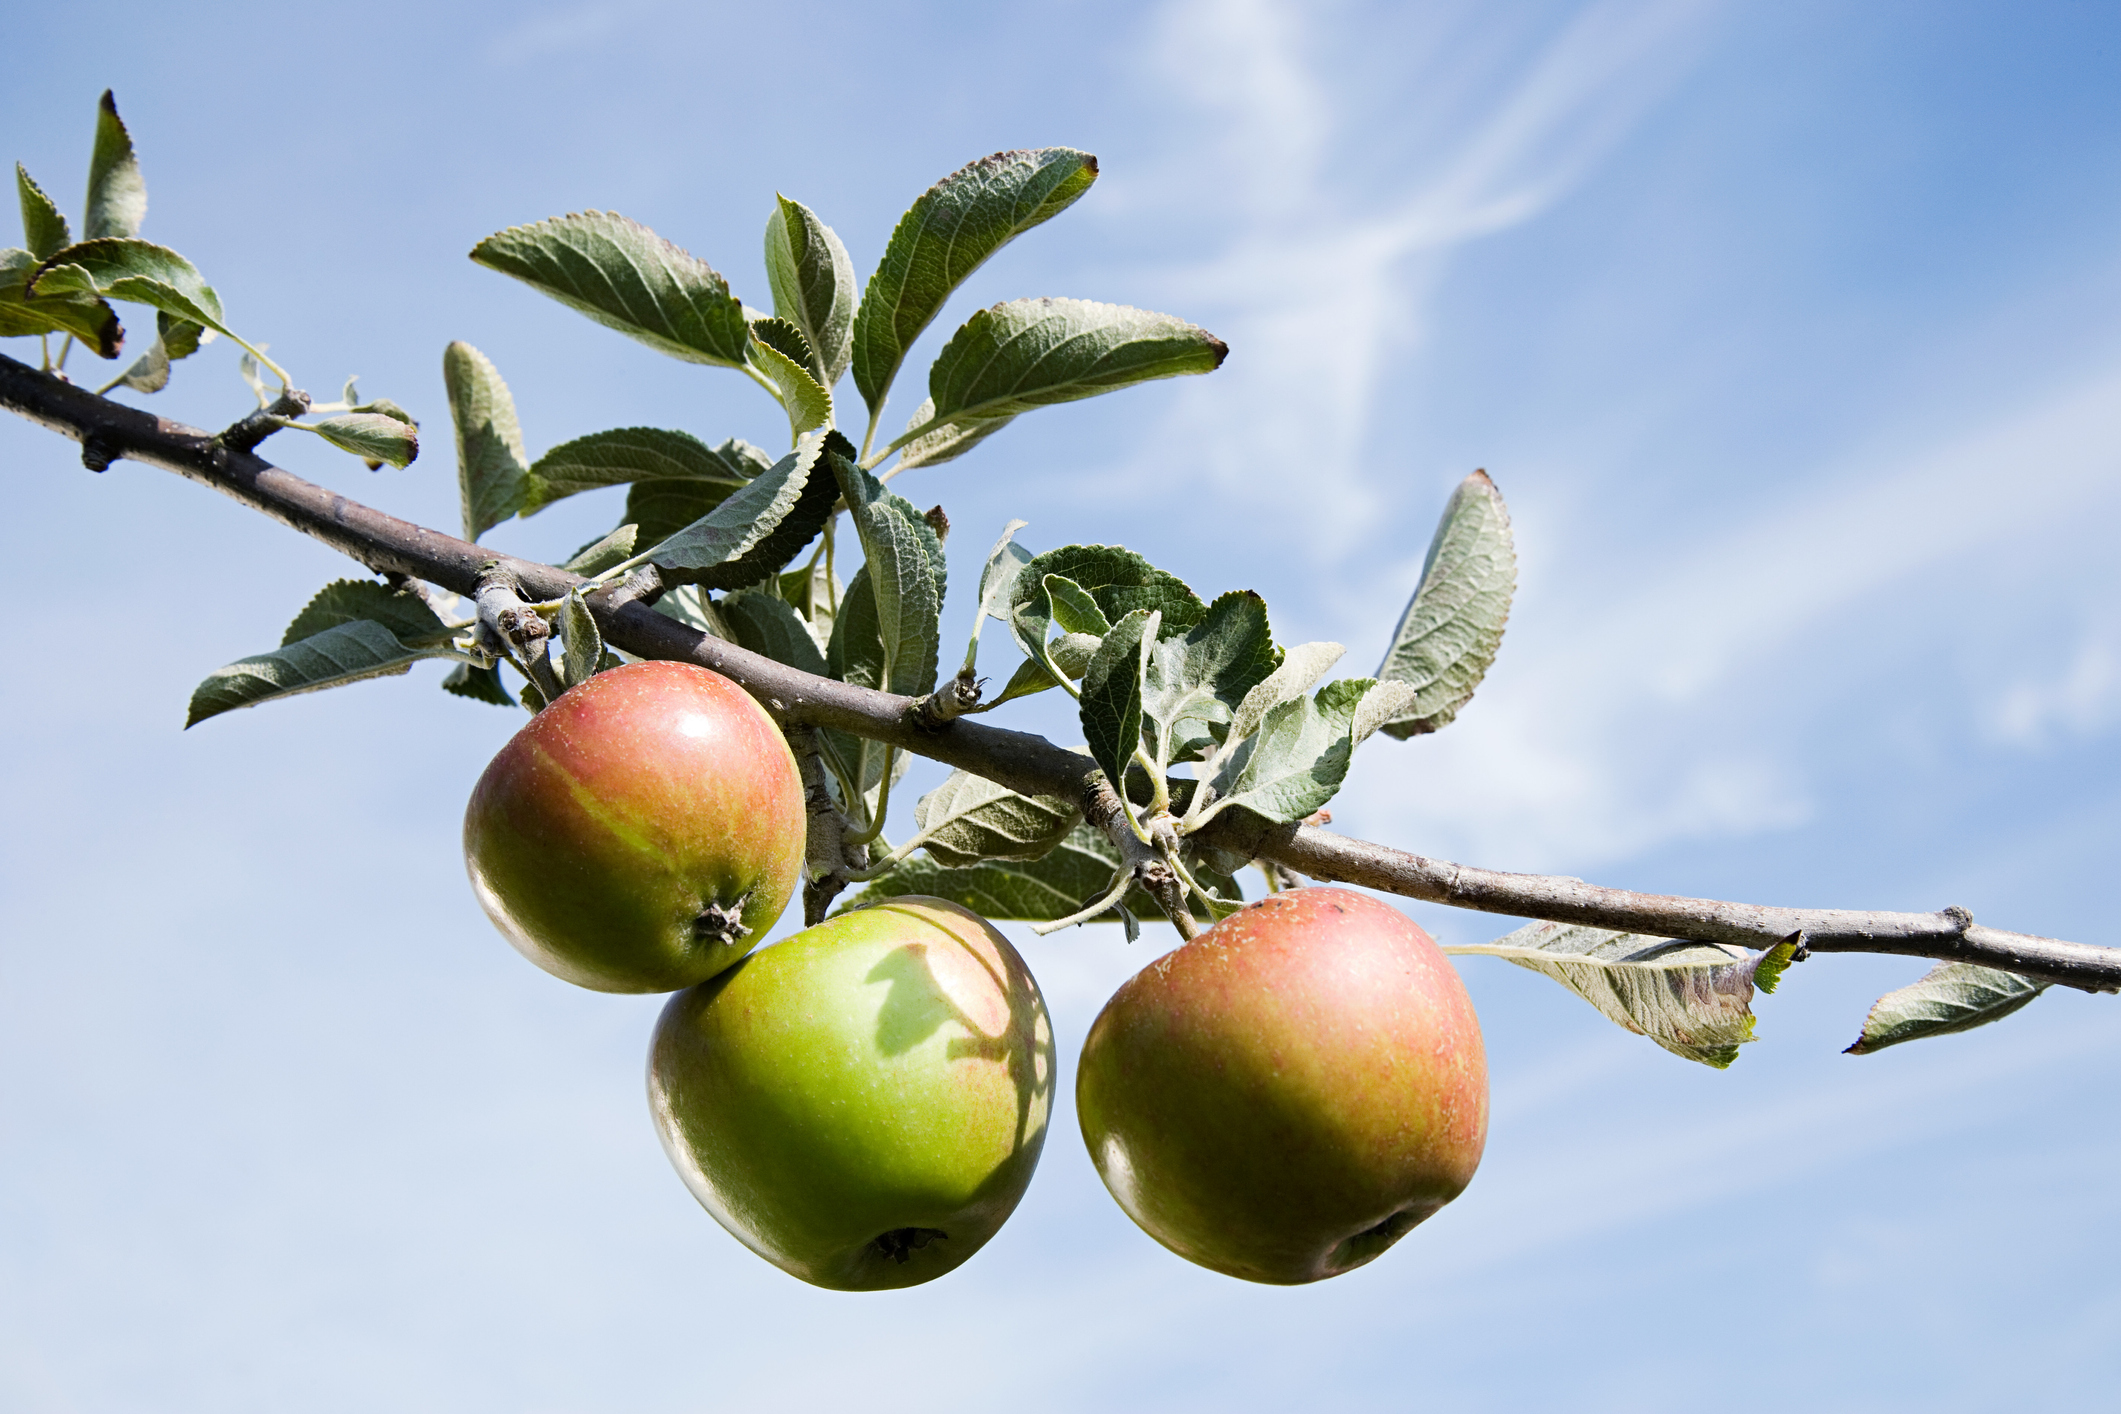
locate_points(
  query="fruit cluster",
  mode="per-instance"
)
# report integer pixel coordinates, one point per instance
(863, 1104)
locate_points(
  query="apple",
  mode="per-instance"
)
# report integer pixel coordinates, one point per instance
(642, 833)
(1283, 1097)
(861, 1104)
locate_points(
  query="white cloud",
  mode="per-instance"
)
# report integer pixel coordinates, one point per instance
(2080, 700)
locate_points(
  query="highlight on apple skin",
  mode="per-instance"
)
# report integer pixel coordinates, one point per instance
(861, 1104)
(642, 832)
(1287, 1095)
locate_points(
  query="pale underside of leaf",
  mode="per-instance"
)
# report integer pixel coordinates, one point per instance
(807, 404)
(492, 467)
(969, 818)
(1454, 624)
(744, 519)
(117, 193)
(1952, 996)
(1062, 881)
(44, 229)
(813, 285)
(371, 435)
(944, 441)
(75, 310)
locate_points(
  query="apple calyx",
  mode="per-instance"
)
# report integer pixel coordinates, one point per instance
(721, 922)
(901, 1243)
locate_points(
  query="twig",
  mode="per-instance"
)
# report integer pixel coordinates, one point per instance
(1019, 760)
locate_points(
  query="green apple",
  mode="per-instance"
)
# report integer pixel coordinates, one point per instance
(642, 833)
(1283, 1097)
(861, 1104)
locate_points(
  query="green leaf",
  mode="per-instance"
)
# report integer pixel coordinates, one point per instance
(1300, 670)
(344, 601)
(689, 605)
(182, 337)
(1031, 676)
(1112, 692)
(1693, 999)
(60, 311)
(1952, 996)
(634, 454)
(581, 643)
(1448, 636)
(600, 555)
(478, 684)
(138, 271)
(149, 373)
(117, 194)
(1119, 580)
(492, 467)
(762, 621)
(1033, 353)
(906, 577)
(942, 441)
(812, 592)
(1296, 761)
(813, 285)
(628, 278)
(369, 435)
(996, 580)
(758, 529)
(44, 229)
(343, 653)
(1197, 678)
(969, 818)
(1072, 874)
(807, 404)
(947, 234)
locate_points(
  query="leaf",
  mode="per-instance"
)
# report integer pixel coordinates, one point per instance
(1197, 678)
(634, 454)
(1112, 692)
(628, 278)
(813, 285)
(44, 229)
(762, 621)
(478, 684)
(344, 653)
(493, 477)
(581, 644)
(688, 604)
(1119, 580)
(117, 193)
(728, 547)
(1031, 676)
(904, 560)
(83, 314)
(948, 233)
(812, 592)
(1033, 353)
(1693, 999)
(138, 271)
(1301, 668)
(807, 404)
(942, 441)
(1062, 881)
(405, 614)
(969, 818)
(1449, 633)
(600, 555)
(1294, 764)
(996, 580)
(370, 435)
(182, 337)
(149, 373)
(1952, 996)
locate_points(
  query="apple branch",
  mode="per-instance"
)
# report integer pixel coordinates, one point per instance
(1021, 761)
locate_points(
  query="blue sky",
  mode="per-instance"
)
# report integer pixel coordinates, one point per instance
(1792, 333)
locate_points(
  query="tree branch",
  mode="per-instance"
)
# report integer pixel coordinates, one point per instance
(1019, 760)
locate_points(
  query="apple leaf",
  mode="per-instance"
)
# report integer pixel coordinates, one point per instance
(906, 569)
(180, 336)
(1198, 677)
(117, 193)
(1069, 876)
(948, 233)
(493, 470)
(1112, 692)
(813, 285)
(1952, 996)
(600, 555)
(762, 621)
(628, 278)
(1116, 579)
(1033, 353)
(969, 818)
(1301, 668)
(1449, 633)
(141, 272)
(1693, 999)
(149, 373)
(996, 580)
(44, 229)
(581, 643)
(1295, 762)
(372, 436)
(632, 454)
(478, 684)
(405, 614)
(779, 351)
(931, 443)
(855, 654)
(344, 653)
(814, 592)
(728, 547)
(81, 313)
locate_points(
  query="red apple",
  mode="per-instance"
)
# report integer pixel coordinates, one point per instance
(642, 833)
(864, 1103)
(1283, 1097)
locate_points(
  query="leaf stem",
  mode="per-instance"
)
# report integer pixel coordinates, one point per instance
(883, 801)
(1121, 882)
